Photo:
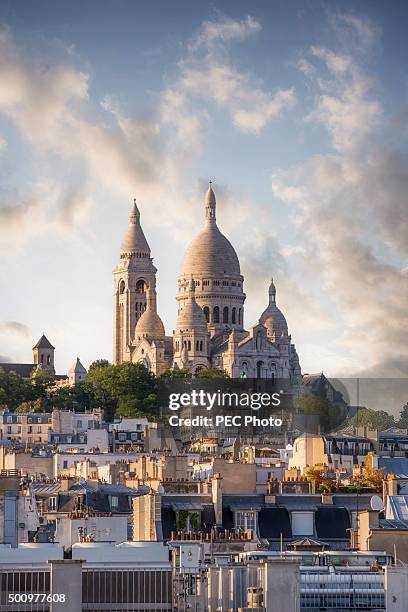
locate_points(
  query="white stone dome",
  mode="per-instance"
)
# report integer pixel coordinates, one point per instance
(191, 316)
(210, 253)
(135, 240)
(150, 324)
(273, 318)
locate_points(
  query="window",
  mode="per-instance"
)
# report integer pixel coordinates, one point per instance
(122, 287)
(90, 424)
(122, 437)
(48, 359)
(259, 369)
(206, 311)
(216, 314)
(245, 520)
(79, 424)
(233, 315)
(65, 464)
(114, 502)
(9, 419)
(140, 286)
(52, 504)
(39, 429)
(302, 523)
(225, 314)
(239, 316)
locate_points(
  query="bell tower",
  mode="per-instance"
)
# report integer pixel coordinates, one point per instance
(134, 273)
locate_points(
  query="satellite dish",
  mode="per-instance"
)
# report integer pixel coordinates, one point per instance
(376, 503)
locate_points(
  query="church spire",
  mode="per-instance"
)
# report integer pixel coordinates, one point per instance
(272, 293)
(134, 242)
(210, 204)
(134, 214)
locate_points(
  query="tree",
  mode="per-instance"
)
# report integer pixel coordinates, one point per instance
(14, 389)
(127, 386)
(99, 363)
(376, 419)
(175, 373)
(33, 406)
(212, 373)
(403, 420)
(321, 412)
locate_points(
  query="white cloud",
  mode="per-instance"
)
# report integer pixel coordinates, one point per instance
(3, 145)
(351, 204)
(223, 31)
(207, 73)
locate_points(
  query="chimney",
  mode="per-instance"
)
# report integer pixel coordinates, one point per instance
(216, 490)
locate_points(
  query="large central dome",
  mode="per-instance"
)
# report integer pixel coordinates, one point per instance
(210, 252)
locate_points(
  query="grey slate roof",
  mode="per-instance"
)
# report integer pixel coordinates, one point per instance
(394, 465)
(22, 369)
(44, 343)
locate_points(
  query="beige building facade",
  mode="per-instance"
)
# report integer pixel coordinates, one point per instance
(210, 299)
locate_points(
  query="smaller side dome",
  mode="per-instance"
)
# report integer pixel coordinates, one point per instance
(191, 316)
(272, 318)
(150, 324)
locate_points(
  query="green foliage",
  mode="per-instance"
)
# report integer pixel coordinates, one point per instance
(368, 481)
(376, 419)
(14, 390)
(126, 389)
(328, 416)
(403, 420)
(99, 363)
(212, 373)
(175, 374)
(35, 406)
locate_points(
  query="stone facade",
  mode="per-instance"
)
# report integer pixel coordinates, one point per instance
(210, 319)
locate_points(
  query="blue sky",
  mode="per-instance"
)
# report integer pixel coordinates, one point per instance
(297, 111)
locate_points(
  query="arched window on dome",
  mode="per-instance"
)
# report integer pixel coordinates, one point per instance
(201, 345)
(225, 314)
(234, 315)
(197, 345)
(206, 312)
(189, 345)
(239, 316)
(122, 287)
(216, 314)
